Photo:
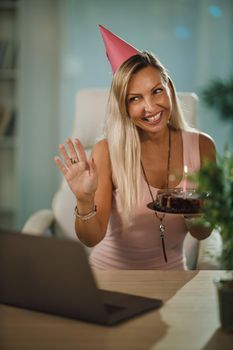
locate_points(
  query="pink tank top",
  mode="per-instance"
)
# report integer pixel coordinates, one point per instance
(139, 245)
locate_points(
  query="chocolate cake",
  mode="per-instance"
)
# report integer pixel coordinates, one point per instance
(176, 201)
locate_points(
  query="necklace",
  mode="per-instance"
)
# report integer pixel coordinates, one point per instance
(161, 218)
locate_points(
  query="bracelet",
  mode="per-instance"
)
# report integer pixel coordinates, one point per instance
(87, 216)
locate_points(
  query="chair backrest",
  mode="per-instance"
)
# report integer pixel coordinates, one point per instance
(90, 107)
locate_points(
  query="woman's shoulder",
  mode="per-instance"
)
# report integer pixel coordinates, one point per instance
(204, 138)
(207, 147)
(205, 142)
(101, 147)
(100, 152)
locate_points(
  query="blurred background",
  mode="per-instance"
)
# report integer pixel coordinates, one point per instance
(50, 49)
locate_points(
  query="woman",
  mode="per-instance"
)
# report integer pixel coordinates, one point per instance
(146, 147)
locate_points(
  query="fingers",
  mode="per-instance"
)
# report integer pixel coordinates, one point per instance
(65, 155)
(72, 154)
(71, 157)
(72, 150)
(81, 152)
(60, 165)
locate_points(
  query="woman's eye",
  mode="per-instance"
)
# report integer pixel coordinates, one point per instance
(157, 91)
(134, 99)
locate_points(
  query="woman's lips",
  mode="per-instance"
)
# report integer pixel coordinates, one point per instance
(153, 119)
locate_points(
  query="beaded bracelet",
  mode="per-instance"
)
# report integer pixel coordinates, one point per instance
(87, 216)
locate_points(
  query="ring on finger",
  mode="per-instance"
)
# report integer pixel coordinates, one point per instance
(73, 160)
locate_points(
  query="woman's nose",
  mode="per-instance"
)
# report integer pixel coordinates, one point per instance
(148, 104)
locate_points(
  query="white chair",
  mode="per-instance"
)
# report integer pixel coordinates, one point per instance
(88, 123)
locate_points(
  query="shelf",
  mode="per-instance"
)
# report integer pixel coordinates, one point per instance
(7, 210)
(7, 142)
(8, 74)
(8, 84)
(7, 218)
(8, 5)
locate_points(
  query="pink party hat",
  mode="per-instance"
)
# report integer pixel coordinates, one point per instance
(117, 50)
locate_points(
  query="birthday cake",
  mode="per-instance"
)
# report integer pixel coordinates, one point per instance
(177, 201)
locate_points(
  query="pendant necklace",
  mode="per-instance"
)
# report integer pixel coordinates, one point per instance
(161, 218)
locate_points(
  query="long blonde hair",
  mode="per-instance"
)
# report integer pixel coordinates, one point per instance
(122, 135)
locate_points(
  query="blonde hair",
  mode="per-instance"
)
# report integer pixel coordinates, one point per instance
(122, 135)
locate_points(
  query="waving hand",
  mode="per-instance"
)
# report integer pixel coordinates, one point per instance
(80, 173)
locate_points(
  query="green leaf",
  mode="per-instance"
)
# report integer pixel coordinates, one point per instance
(217, 180)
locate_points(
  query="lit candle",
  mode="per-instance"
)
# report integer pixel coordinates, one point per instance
(185, 180)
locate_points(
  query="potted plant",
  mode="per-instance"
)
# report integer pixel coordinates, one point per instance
(218, 94)
(217, 180)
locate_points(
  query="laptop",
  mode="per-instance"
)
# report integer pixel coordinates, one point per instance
(53, 276)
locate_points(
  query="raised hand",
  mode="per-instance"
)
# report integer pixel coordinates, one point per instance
(80, 173)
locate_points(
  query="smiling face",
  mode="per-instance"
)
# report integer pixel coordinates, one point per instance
(149, 100)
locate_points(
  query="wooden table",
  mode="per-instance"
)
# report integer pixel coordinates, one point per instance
(188, 320)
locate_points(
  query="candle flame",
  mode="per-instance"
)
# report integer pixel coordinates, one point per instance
(185, 169)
